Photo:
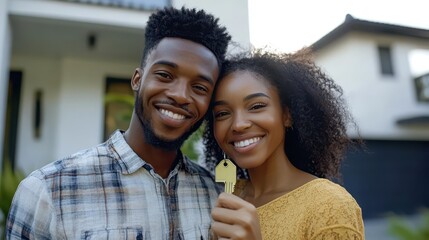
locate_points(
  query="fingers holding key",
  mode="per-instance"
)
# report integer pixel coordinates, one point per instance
(231, 201)
(234, 218)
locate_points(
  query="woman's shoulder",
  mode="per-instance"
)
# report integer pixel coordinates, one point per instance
(327, 191)
(315, 196)
(332, 200)
(320, 207)
(324, 198)
(334, 210)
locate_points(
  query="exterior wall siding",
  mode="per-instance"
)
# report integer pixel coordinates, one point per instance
(376, 101)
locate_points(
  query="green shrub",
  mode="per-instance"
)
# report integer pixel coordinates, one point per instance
(9, 181)
(402, 230)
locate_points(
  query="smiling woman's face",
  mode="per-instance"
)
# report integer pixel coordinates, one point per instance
(249, 122)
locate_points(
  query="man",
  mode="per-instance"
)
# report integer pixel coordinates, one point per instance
(137, 185)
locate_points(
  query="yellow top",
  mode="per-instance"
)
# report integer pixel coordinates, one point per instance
(320, 209)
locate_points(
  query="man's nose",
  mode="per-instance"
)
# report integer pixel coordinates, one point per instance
(180, 93)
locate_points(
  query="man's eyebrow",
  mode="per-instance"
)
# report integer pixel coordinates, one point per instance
(207, 79)
(248, 97)
(174, 65)
(163, 62)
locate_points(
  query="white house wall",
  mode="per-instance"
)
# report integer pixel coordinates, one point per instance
(38, 74)
(81, 109)
(72, 113)
(232, 14)
(376, 101)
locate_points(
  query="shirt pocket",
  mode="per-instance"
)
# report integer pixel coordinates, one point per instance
(126, 233)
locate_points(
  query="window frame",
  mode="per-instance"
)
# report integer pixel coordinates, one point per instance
(385, 60)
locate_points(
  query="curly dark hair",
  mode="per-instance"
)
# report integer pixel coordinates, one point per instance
(317, 141)
(190, 24)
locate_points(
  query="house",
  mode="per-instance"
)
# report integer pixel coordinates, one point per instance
(60, 58)
(384, 72)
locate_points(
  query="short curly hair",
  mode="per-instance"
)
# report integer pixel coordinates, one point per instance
(317, 141)
(197, 26)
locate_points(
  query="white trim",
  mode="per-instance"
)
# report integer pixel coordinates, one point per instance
(79, 13)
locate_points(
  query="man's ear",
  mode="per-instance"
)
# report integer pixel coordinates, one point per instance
(287, 118)
(136, 79)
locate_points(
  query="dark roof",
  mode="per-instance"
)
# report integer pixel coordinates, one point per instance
(133, 4)
(353, 24)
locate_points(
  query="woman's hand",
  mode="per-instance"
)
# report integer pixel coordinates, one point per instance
(234, 218)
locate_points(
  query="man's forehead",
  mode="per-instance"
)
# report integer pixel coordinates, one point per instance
(172, 46)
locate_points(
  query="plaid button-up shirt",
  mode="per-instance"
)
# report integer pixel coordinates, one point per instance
(108, 192)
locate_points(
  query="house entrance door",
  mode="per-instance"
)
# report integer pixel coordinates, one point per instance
(12, 114)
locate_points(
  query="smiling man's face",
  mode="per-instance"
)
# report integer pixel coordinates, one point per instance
(174, 90)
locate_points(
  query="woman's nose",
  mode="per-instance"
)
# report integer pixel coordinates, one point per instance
(240, 122)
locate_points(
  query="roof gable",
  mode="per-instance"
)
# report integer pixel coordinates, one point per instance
(352, 24)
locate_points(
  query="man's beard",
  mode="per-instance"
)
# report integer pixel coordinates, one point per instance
(150, 135)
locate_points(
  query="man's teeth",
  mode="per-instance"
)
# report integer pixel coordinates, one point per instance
(246, 142)
(172, 115)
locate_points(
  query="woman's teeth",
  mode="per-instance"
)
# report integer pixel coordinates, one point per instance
(246, 142)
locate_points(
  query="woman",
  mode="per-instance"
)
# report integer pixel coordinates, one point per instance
(279, 117)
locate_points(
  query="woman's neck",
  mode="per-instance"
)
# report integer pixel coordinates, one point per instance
(273, 179)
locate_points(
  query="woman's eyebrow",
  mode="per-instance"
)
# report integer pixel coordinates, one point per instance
(248, 97)
(254, 95)
(217, 103)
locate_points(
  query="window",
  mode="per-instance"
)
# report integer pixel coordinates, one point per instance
(419, 68)
(119, 102)
(385, 60)
(422, 88)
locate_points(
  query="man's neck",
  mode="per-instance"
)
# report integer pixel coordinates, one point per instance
(160, 159)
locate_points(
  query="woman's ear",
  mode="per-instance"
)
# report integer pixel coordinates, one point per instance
(287, 118)
(136, 79)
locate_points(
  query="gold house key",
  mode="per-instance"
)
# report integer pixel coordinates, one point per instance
(226, 172)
